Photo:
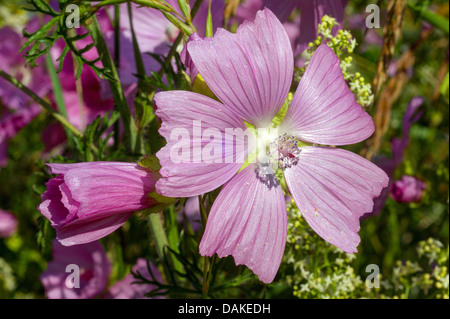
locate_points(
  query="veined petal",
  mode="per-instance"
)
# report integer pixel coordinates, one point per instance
(333, 188)
(89, 229)
(250, 71)
(248, 221)
(192, 175)
(323, 109)
(102, 191)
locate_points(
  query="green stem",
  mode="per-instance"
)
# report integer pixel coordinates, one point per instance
(159, 235)
(203, 214)
(207, 271)
(432, 18)
(117, 63)
(58, 94)
(177, 41)
(140, 69)
(142, 87)
(116, 86)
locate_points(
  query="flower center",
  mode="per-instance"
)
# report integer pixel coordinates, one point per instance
(282, 153)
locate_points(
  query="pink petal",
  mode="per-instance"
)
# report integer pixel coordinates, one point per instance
(333, 188)
(192, 176)
(104, 191)
(89, 229)
(250, 71)
(150, 27)
(52, 207)
(324, 110)
(248, 221)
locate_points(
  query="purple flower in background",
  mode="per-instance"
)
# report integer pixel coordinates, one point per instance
(8, 223)
(11, 122)
(19, 110)
(408, 189)
(88, 201)
(250, 72)
(127, 288)
(372, 37)
(398, 146)
(303, 29)
(92, 263)
(191, 214)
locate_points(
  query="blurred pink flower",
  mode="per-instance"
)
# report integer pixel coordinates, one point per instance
(408, 189)
(250, 72)
(127, 288)
(19, 110)
(301, 30)
(8, 223)
(11, 122)
(190, 214)
(94, 269)
(88, 201)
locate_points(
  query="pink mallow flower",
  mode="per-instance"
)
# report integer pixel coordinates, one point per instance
(88, 201)
(408, 189)
(129, 288)
(89, 261)
(250, 72)
(8, 223)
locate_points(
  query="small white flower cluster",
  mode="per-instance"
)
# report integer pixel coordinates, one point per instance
(342, 44)
(319, 270)
(316, 269)
(7, 280)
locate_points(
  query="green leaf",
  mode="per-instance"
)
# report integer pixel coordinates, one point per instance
(209, 24)
(41, 32)
(151, 162)
(432, 18)
(185, 9)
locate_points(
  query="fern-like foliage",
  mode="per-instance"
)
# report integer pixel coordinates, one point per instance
(42, 40)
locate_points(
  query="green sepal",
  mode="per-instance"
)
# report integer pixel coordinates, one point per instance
(209, 24)
(151, 162)
(279, 117)
(162, 202)
(200, 86)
